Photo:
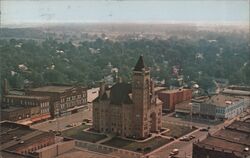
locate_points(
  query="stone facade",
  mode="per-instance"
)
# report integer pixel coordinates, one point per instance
(129, 110)
(64, 99)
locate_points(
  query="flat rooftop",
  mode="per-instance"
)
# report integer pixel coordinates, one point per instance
(35, 136)
(6, 154)
(26, 97)
(53, 89)
(230, 139)
(233, 136)
(200, 99)
(223, 100)
(17, 92)
(157, 89)
(174, 90)
(243, 126)
(184, 106)
(11, 129)
(12, 108)
(77, 152)
(236, 92)
(217, 144)
(12, 133)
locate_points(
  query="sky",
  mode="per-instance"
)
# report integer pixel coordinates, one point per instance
(149, 11)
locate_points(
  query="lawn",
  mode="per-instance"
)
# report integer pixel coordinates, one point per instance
(142, 147)
(79, 134)
(177, 130)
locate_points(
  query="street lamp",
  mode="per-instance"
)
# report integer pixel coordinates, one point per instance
(191, 113)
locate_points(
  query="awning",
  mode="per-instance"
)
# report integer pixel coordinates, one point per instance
(41, 117)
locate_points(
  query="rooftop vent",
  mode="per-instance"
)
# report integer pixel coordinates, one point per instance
(246, 149)
(228, 102)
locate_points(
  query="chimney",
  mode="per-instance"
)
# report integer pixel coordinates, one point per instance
(5, 87)
(102, 88)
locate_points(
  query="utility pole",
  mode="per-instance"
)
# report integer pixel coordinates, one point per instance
(191, 114)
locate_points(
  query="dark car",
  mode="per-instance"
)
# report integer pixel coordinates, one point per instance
(171, 138)
(203, 129)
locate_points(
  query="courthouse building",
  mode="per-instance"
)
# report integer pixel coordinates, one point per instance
(129, 110)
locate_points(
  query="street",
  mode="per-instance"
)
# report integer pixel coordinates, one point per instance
(60, 124)
(185, 147)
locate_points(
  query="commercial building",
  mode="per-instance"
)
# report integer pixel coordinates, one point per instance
(183, 108)
(69, 149)
(243, 92)
(214, 107)
(15, 113)
(64, 99)
(231, 142)
(172, 97)
(219, 107)
(23, 107)
(129, 110)
(21, 140)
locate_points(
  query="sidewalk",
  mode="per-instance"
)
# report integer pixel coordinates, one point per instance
(109, 137)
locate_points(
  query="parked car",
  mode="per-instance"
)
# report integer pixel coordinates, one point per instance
(191, 137)
(204, 129)
(50, 121)
(171, 138)
(87, 120)
(185, 138)
(175, 151)
(69, 126)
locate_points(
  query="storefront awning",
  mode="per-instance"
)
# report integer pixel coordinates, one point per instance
(41, 117)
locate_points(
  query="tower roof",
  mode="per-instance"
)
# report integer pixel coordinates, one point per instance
(140, 64)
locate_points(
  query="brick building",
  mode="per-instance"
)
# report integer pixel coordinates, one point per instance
(231, 142)
(172, 97)
(21, 140)
(129, 110)
(19, 107)
(15, 113)
(64, 99)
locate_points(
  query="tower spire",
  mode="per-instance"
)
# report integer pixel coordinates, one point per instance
(140, 64)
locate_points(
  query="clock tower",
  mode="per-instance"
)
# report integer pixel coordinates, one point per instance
(141, 98)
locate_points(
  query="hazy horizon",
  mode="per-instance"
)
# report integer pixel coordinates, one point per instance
(99, 11)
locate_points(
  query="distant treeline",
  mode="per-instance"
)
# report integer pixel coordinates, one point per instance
(224, 56)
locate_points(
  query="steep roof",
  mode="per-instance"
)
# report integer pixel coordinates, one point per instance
(140, 64)
(119, 94)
